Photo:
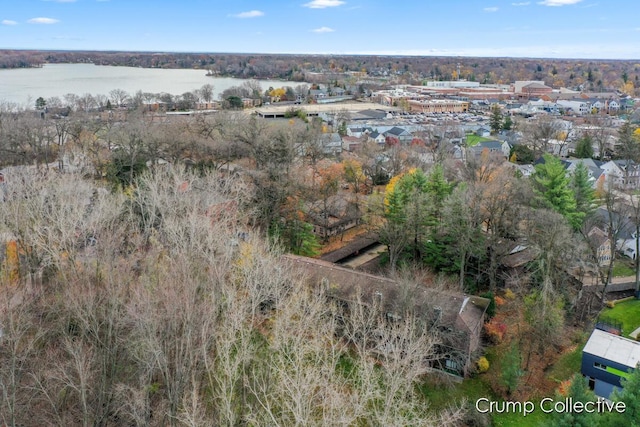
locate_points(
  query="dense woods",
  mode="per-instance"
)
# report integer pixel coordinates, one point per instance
(157, 307)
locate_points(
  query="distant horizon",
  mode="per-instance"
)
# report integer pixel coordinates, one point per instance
(167, 52)
(540, 29)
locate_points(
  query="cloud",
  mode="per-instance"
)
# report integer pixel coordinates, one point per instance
(323, 30)
(249, 14)
(558, 2)
(43, 21)
(8, 22)
(321, 4)
(524, 3)
(490, 9)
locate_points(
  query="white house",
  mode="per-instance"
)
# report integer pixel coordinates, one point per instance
(376, 137)
(578, 107)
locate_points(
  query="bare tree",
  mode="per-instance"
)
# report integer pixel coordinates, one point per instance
(118, 97)
(206, 92)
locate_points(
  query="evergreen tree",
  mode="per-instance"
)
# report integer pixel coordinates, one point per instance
(296, 236)
(628, 147)
(511, 371)
(508, 123)
(416, 200)
(40, 103)
(583, 190)
(554, 187)
(438, 189)
(406, 204)
(584, 148)
(524, 155)
(496, 119)
(630, 395)
(463, 224)
(579, 392)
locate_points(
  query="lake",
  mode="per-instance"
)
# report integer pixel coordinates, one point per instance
(24, 85)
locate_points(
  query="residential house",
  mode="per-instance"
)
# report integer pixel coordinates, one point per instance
(483, 131)
(602, 244)
(356, 131)
(593, 168)
(457, 318)
(525, 170)
(337, 91)
(579, 107)
(317, 94)
(333, 217)
(624, 174)
(332, 144)
(597, 105)
(376, 137)
(493, 147)
(402, 135)
(623, 229)
(351, 143)
(606, 359)
(613, 106)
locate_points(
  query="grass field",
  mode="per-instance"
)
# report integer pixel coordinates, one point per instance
(475, 140)
(627, 313)
(622, 268)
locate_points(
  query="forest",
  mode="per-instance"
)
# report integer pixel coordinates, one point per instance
(143, 282)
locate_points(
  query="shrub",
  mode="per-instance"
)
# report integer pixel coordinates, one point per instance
(499, 301)
(495, 330)
(508, 294)
(483, 364)
(563, 388)
(491, 309)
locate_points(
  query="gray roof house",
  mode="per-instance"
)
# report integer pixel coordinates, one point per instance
(493, 147)
(332, 144)
(397, 132)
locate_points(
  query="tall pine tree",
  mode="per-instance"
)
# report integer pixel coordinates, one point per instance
(554, 187)
(630, 395)
(583, 191)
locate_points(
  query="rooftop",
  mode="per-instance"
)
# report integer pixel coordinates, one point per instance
(614, 348)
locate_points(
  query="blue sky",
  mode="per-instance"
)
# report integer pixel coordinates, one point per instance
(537, 28)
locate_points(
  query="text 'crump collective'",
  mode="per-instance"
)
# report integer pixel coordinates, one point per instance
(549, 405)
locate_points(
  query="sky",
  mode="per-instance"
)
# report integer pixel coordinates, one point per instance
(598, 29)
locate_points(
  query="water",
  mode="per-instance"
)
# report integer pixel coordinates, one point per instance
(23, 86)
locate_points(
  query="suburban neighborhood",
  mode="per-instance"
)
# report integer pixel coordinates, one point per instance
(417, 246)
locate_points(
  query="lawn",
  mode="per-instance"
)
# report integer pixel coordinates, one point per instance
(440, 396)
(569, 363)
(534, 419)
(627, 313)
(622, 268)
(475, 140)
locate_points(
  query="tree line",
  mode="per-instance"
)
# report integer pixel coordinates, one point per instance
(596, 75)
